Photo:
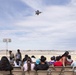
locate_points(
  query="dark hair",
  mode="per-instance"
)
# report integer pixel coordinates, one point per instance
(65, 54)
(69, 56)
(43, 59)
(25, 58)
(18, 50)
(4, 60)
(60, 56)
(57, 58)
(26, 55)
(5, 65)
(32, 56)
(10, 51)
(53, 58)
(42, 56)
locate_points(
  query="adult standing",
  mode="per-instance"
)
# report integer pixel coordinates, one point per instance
(18, 55)
(11, 55)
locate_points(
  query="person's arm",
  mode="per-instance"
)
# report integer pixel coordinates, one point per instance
(64, 59)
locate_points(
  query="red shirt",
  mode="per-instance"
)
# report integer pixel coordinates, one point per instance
(58, 63)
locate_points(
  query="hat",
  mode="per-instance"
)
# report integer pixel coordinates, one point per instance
(37, 61)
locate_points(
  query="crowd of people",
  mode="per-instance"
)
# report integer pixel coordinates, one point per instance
(31, 63)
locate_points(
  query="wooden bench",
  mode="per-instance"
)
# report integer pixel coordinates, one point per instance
(4, 72)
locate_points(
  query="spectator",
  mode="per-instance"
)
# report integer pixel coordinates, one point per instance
(42, 65)
(28, 65)
(38, 60)
(69, 60)
(64, 57)
(18, 55)
(58, 63)
(11, 55)
(52, 60)
(25, 59)
(5, 65)
(33, 58)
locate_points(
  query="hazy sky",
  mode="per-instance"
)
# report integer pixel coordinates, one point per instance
(54, 28)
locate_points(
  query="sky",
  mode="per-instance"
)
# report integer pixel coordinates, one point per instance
(53, 29)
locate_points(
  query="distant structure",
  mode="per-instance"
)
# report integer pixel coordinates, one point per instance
(37, 12)
(6, 40)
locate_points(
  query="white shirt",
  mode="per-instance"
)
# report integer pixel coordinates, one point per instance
(15, 64)
(73, 65)
(26, 67)
(33, 59)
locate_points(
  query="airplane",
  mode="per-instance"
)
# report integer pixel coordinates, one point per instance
(37, 12)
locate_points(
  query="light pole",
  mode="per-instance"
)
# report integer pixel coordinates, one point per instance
(6, 40)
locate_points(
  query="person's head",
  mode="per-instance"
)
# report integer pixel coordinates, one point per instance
(52, 58)
(43, 59)
(10, 52)
(26, 56)
(69, 56)
(32, 56)
(18, 50)
(65, 54)
(57, 58)
(5, 64)
(60, 56)
(4, 60)
(42, 56)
